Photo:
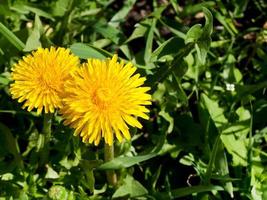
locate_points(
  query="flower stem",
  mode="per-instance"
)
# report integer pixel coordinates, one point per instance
(46, 132)
(109, 155)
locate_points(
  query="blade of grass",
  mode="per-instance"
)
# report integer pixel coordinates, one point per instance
(125, 161)
(212, 159)
(149, 41)
(182, 192)
(11, 37)
(221, 165)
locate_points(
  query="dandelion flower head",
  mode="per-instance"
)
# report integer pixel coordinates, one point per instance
(39, 78)
(103, 98)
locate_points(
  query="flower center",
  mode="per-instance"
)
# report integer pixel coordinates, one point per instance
(102, 97)
(48, 82)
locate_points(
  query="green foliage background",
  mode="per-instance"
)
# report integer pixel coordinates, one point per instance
(206, 62)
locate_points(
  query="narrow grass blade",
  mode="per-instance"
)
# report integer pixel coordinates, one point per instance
(125, 161)
(182, 192)
(11, 37)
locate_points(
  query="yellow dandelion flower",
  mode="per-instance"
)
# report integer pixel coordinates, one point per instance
(103, 98)
(39, 78)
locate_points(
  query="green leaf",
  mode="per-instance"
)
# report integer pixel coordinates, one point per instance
(21, 7)
(109, 32)
(244, 90)
(125, 49)
(194, 33)
(157, 13)
(88, 51)
(164, 71)
(219, 43)
(90, 180)
(131, 188)
(216, 112)
(197, 7)
(167, 49)
(242, 126)
(33, 41)
(180, 91)
(258, 178)
(175, 6)
(51, 173)
(182, 192)
(60, 7)
(240, 7)
(39, 12)
(23, 196)
(122, 13)
(176, 28)
(227, 23)
(125, 161)
(139, 31)
(202, 48)
(201, 36)
(208, 28)
(221, 167)
(88, 166)
(5, 78)
(149, 41)
(218, 157)
(168, 118)
(101, 43)
(236, 147)
(11, 37)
